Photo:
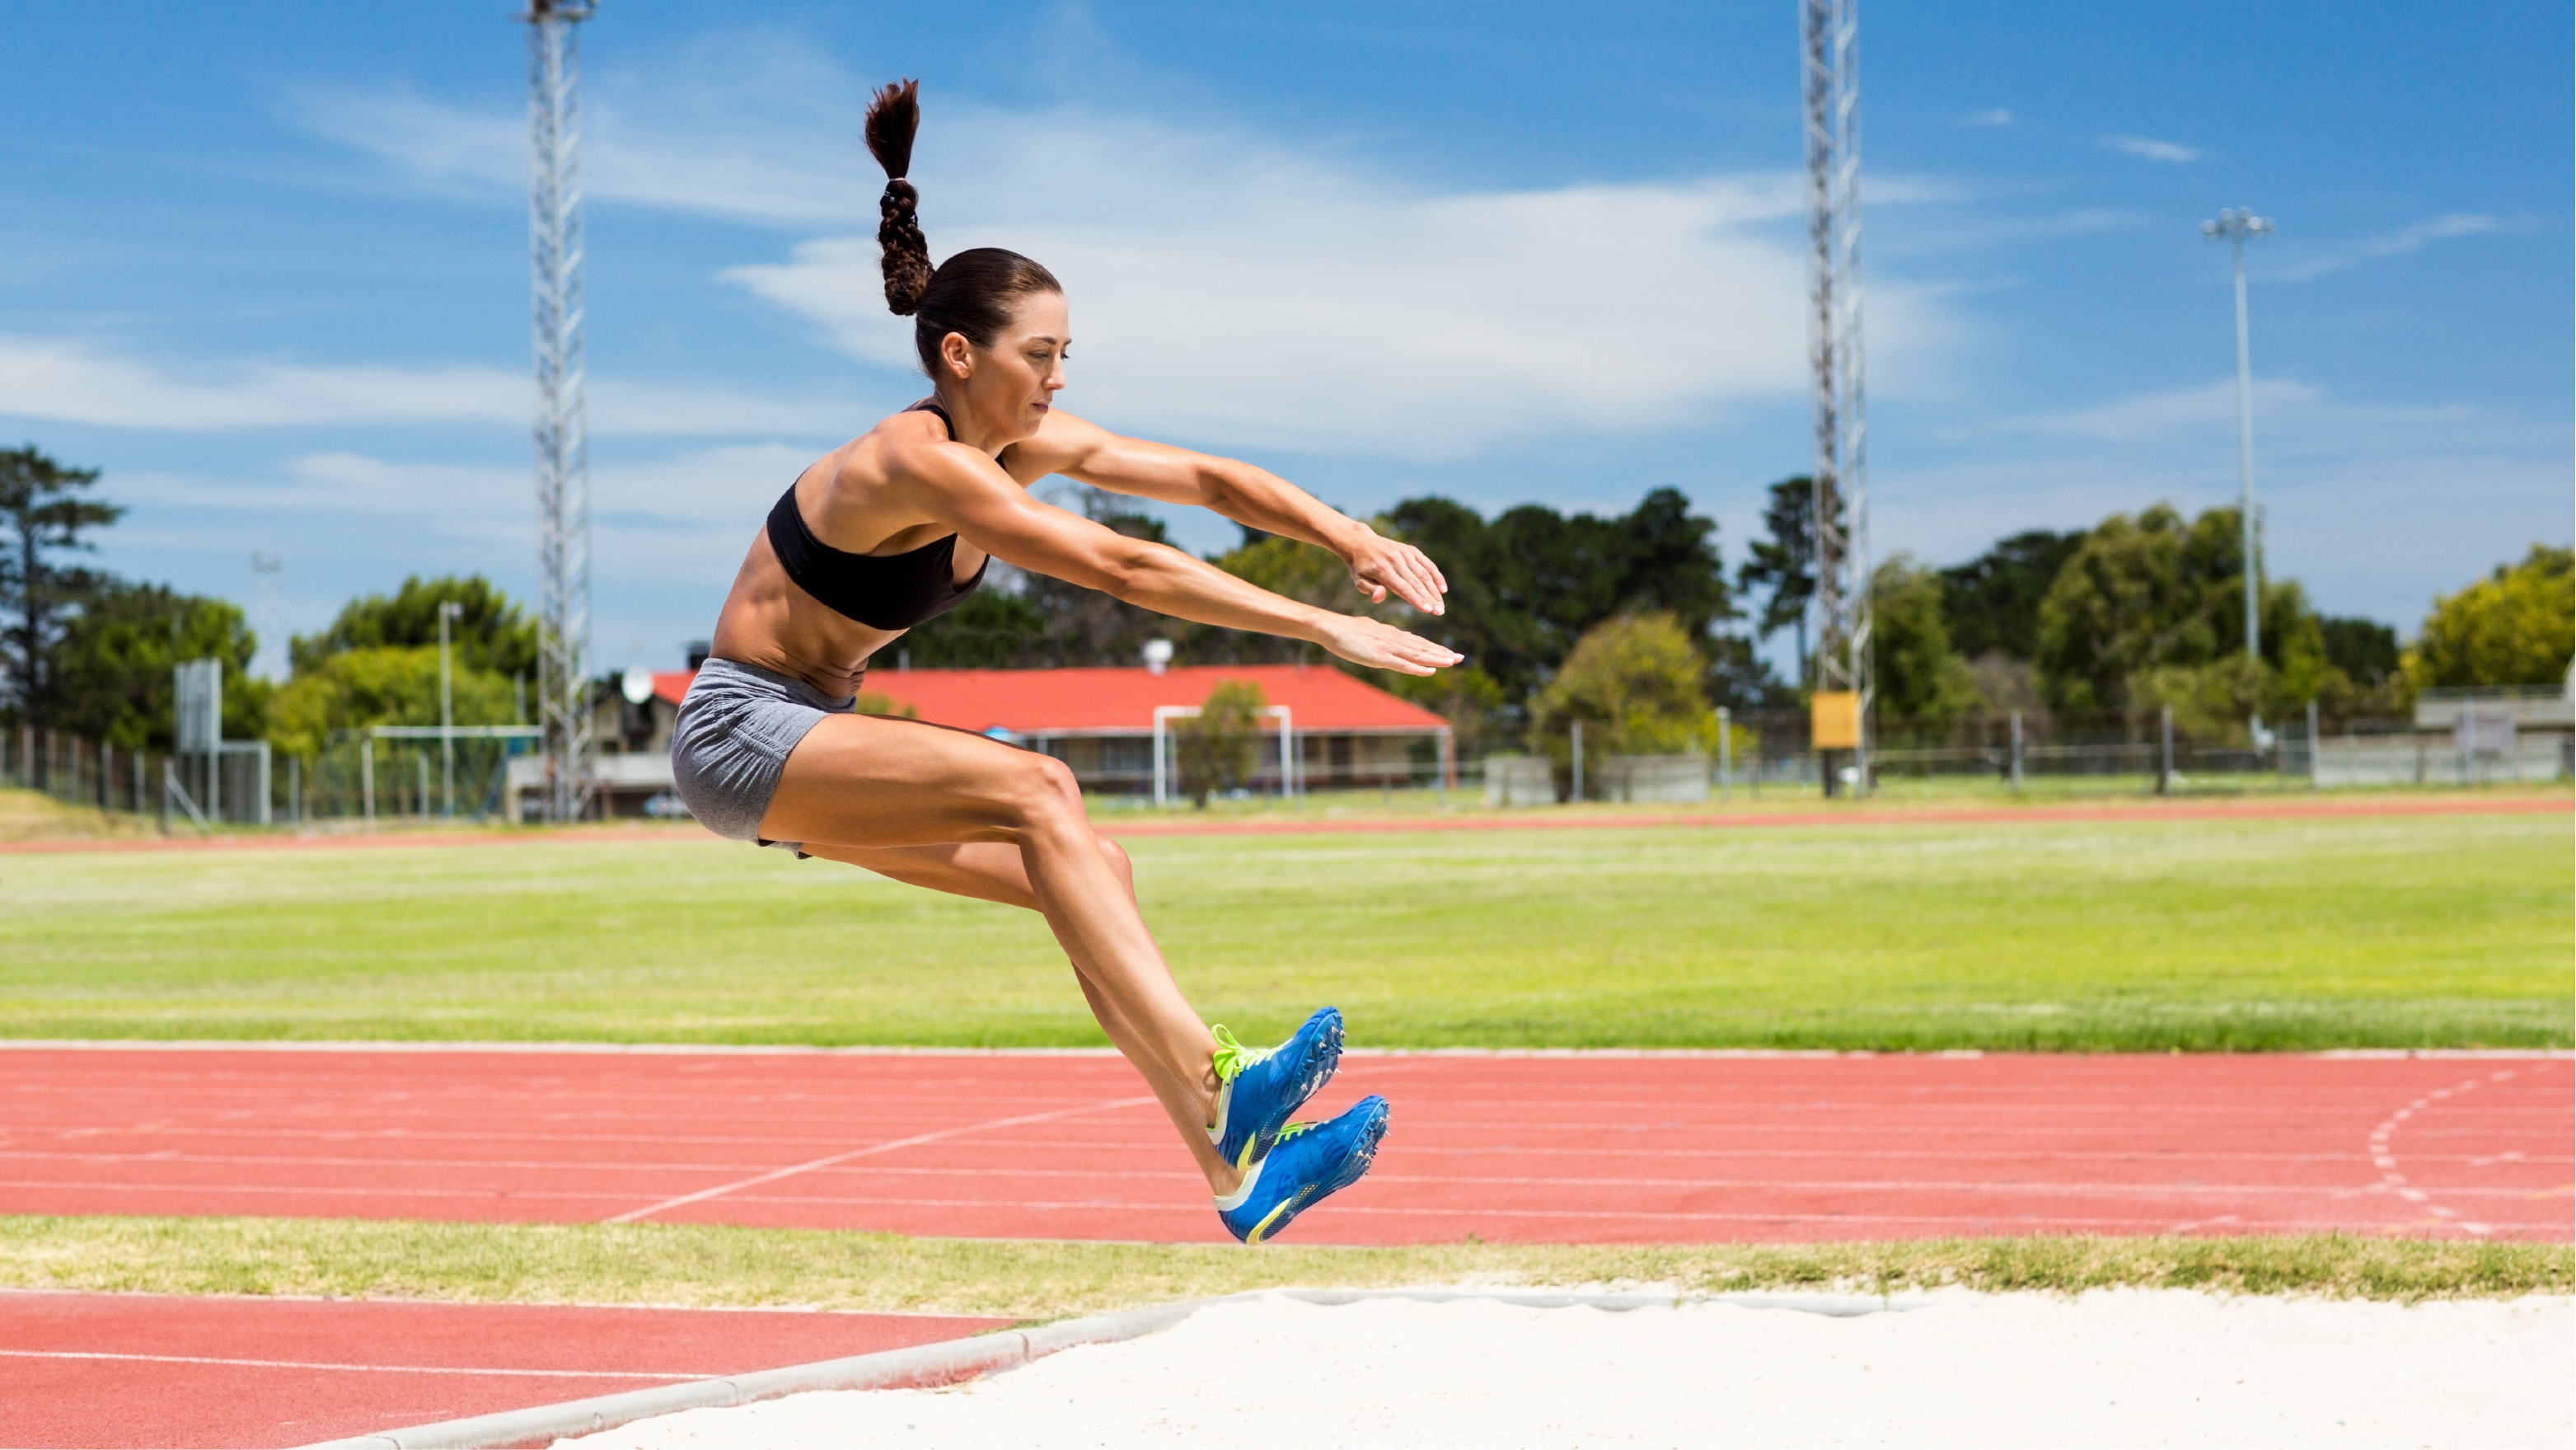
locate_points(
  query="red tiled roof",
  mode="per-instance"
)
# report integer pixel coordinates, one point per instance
(1036, 702)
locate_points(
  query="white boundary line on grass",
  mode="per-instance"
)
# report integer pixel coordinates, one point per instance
(964, 1359)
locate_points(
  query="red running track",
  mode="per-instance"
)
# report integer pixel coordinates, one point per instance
(1530, 1149)
(154, 1370)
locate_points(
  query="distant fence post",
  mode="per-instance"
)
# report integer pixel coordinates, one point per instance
(2164, 768)
(1725, 752)
(1578, 762)
(367, 780)
(2016, 752)
(2316, 774)
(295, 789)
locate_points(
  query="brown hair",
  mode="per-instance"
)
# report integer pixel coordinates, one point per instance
(971, 293)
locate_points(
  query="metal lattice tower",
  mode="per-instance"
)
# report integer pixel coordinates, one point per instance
(562, 436)
(1829, 35)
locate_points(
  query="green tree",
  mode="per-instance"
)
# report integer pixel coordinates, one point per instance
(490, 633)
(1783, 562)
(1218, 748)
(111, 665)
(46, 517)
(2364, 649)
(2154, 592)
(2517, 626)
(1922, 684)
(1991, 603)
(1525, 587)
(1635, 681)
(357, 688)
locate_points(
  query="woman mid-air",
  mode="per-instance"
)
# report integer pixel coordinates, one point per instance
(896, 527)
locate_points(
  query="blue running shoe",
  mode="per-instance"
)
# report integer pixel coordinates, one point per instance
(1257, 1090)
(1307, 1163)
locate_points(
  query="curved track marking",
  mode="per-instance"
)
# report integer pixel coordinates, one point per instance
(2384, 1158)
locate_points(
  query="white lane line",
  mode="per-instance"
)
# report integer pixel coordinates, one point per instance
(943, 1135)
(571, 1374)
(2383, 1156)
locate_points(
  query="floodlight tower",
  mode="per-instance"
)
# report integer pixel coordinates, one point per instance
(2237, 225)
(1829, 32)
(562, 438)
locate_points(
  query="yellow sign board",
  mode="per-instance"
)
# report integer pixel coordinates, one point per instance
(1834, 720)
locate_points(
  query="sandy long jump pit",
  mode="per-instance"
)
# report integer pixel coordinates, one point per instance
(2111, 1368)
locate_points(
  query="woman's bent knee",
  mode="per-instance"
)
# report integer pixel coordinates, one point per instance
(1046, 794)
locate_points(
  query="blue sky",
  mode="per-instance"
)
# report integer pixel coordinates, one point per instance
(269, 268)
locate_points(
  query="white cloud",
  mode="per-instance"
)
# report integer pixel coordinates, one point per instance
(2149, 149)
(1994, 118)
(1229, 289)
(2392, 244)
(75, 382)
(774, 143)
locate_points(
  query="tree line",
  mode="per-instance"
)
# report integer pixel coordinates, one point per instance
(1633, 620)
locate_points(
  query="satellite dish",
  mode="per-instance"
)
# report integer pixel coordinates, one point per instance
(638, 685)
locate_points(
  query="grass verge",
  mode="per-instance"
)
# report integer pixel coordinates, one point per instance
(700, 1266)
(2142, 934)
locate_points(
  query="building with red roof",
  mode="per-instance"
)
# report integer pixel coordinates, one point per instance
(1345, 731)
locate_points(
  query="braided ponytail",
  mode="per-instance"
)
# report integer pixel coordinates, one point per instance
(893, 117)
(970, 294)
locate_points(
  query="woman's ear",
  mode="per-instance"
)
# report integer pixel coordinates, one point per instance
(959, 355)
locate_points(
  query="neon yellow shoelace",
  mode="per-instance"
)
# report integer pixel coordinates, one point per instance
(1233, 1057)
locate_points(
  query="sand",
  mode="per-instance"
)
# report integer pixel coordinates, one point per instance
(1947, 1368)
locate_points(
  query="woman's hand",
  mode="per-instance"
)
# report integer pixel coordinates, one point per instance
(1383, 646)
(1381, 564)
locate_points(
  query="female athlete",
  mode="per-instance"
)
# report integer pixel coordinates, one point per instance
(896, 527)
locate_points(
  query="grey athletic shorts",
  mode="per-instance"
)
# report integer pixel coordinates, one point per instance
(730, 743)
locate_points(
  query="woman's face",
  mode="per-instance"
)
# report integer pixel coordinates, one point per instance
(1013, 383)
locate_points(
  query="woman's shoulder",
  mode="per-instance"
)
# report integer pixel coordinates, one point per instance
(908, 437)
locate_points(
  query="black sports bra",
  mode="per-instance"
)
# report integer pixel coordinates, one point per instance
(889, 591)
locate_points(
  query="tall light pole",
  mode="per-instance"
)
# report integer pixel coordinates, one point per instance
(2236, 225)
(447, 609)
(1829, 52)
(563, 453)
(264, 569)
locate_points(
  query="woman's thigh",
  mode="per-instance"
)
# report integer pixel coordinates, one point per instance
(868, 781)
(987, 872)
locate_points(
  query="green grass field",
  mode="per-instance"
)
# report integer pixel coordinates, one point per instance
(2138, 934)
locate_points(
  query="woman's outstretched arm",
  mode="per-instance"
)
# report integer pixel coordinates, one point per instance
(991, 511)
(1247, 494)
